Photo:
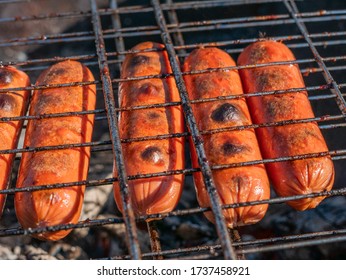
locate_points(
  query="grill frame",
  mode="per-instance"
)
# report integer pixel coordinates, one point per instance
(229, 248)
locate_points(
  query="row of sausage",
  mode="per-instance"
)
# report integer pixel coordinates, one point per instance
(219, 107)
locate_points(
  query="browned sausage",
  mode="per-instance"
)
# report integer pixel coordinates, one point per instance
(63, 205)
(289, 177)
(12, 104)
(234, 185)
(157, 194)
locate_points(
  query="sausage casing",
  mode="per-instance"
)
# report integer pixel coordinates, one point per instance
(157, 194)
(234, 185)
(288, 177)
(62, 205)
(12, 104)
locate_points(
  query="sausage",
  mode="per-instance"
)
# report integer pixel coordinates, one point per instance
(12, 104)
(56, 206)
(157, 194)
(234, 185)
(288, 177)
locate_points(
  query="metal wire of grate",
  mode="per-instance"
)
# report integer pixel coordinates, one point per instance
(182, 26)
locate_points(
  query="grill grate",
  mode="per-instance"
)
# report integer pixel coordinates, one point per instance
(182, 26)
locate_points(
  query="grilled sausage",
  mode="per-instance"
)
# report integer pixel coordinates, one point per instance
(234, 185)
(157, 194)
(56, 206)
(12, 104)
(288, 177)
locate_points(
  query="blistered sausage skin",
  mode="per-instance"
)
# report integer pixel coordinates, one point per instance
(288, 177)
(234, 185)
(56, 206)
(12, 104)
(157, 194)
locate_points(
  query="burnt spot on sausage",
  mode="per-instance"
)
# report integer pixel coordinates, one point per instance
(259, 54)
(6, 76)
(229, 148)
(7, 102)
(226, 112)
(213, 82)
(279, 107)
(272, 79)
(153, 115)
(138, 60)
(203, 85)
(53, 73)
(295, 138)
(152, 154)
(304, 136)
(148, 89)
(58, 71)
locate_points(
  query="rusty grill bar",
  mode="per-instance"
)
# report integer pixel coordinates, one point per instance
(129, 217)
(173, 34)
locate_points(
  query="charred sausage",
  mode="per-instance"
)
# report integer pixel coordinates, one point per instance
(288, 177)
(12, 104)
(234, 185)
(157, 194)
(56, 206)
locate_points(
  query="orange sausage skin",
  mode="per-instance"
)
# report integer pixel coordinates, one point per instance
(56, 206)
(289, 178)
(157, 194)
(12, 104)
(234, 185)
